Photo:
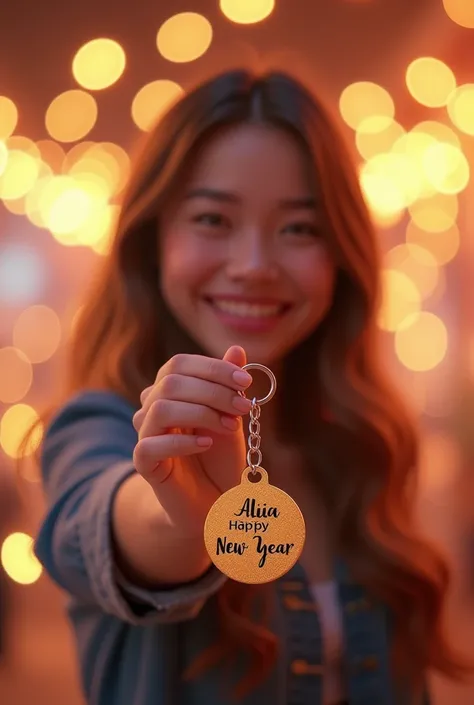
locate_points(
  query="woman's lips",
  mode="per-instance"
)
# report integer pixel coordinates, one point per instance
(253, 315)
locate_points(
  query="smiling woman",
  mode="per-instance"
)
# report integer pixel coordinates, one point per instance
(243, 233)
(244, 260)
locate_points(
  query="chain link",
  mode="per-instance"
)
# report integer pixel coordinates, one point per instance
(254, 439)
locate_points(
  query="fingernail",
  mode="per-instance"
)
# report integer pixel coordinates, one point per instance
(241, 404)
(230, 422)
(242, 378)
(203, 441)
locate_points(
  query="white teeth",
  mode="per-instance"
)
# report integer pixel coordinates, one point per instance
(247, 310)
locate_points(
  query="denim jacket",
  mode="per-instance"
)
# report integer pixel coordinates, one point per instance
(132, 643)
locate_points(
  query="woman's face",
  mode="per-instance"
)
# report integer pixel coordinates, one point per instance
(243, 254)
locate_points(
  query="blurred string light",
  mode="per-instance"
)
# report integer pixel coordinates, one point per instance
(436, 214)
(103, 163)
(390, 183)
(18, 559)
(99, 64)
(22, 274)
(247, 11)
(461, 108)
(15, 422)
(430, 81)
(418, 264)
(426, 184)
(443, 245)
(364, 99)
(429, 132)
(16, 206)
(37, 333)
(152, 100)
(184, 37)
(3, 157)
(8, 117)
(16, 375)
(400, 300)
(420, 173)
(66, 204)
(421, 342)
(75, 152)
(51, 153)
(75, 200)
(446, 168)
(376, 135)
(19, 174)
(71, 116)
(460, 11)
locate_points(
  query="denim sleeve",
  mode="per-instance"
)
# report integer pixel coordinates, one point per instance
(87, 453)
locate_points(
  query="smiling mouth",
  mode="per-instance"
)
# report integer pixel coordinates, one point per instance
(244, 309)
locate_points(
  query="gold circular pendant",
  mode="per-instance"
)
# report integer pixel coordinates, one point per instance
(255, 532)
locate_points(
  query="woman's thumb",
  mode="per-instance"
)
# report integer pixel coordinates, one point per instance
(236, 355)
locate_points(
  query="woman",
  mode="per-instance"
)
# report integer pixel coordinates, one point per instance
(243, 235)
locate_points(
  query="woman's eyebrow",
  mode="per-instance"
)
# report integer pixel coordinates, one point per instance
(304, 202)
(307, 202)
(213, 194)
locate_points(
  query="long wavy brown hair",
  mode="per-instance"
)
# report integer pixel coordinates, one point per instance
(363, 451)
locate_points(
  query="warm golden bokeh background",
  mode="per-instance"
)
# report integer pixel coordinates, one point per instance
(79, 84)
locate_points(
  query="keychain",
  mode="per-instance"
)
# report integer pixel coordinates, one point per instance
(255, 532)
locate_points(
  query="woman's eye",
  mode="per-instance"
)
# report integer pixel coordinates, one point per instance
(211, 219)
(301, 229)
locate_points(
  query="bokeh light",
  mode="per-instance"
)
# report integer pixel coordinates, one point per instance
(99, 64)
(437, 131)
(104, 164)
(418, 264)
(461, 108)
(16, 375)
(99, 230)
(19, 175)
(389, 183)
(16, 206)
(69, 211)
(34, 199)
(363, 100)
(65, 204)
(436, 214)
(18, 559)
(3, 157)
(184, 37)
(75, 152)
(443, 245)
(152, 101)
(422, 342)
(71, 116)
(460, 11)
(14, 424)
(23, 144)
(376, 135)
(51, 154)
(8, 117)
(446, 168)
(37, 333)
(430, 81)
(247, 11)
(400, 300)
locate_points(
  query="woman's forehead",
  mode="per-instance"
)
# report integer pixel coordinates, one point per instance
(249, 159)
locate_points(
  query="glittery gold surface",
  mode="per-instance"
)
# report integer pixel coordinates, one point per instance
(280, 539)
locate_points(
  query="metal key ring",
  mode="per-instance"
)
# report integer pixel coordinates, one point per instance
(271, 377)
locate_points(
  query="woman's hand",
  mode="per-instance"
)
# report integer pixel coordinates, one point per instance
(191, 445)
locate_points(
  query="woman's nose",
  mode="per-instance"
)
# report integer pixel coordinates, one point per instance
(253, 259)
